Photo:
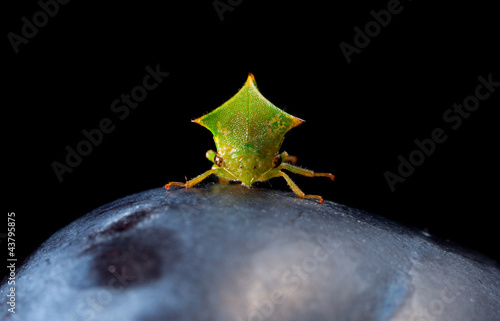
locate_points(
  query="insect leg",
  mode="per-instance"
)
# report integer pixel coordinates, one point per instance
(293, 186)
(305, 172)
(194, 181)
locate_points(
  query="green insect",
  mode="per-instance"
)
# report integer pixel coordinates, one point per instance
(248, 132)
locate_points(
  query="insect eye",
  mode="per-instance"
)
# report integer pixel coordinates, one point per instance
(218, 160)
(277, 160)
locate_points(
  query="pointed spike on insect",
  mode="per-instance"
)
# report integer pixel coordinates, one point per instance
(296, 121)
(199, 121)
(251, 80)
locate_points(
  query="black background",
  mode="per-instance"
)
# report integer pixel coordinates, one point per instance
(360, 116)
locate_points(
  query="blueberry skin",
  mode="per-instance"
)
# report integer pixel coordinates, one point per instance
(226, 252)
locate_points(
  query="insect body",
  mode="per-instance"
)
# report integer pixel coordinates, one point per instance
(248, 132)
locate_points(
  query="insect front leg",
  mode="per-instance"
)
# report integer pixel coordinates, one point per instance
(194, 181)
(277, 173)
(304, 172)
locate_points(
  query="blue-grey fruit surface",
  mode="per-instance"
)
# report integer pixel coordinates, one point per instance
(229, 253)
